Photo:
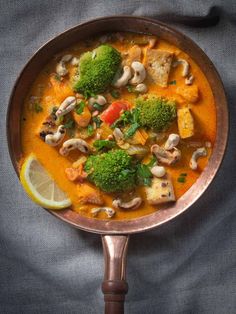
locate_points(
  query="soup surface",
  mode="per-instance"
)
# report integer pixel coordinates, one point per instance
(122, 129)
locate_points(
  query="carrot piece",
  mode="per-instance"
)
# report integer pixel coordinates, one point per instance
(144, 135)
(83, 119)
(140, 136)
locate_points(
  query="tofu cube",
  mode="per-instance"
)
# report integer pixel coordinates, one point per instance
(161, 191)
(185, 123)
(189, 93)
(158, 65)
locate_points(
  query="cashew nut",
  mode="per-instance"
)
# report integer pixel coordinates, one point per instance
(56, 138)
(172, 141)
(185, 65)
(109, 211)
(61, 66)
(165, 156)
(133, 204)
(66, 106)
(189, 80)
(99, 99)
(141, 88)
(139, 73)
(124, 78)
(200, 152)
(158, 171)
(74, 143)
(74, 61)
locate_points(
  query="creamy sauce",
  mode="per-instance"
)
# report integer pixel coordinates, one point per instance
(203, 112)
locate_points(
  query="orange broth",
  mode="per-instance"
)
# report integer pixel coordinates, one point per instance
(203, 112)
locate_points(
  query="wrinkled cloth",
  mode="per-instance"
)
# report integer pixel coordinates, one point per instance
(185, 266)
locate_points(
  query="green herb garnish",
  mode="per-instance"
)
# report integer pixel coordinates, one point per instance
(131, 130)
(98, 121)
(54, 109)
(124, 119)
(37, 107)
(115, 94)
(130, 88)
(172, 82)
(90, 130)
(97, 106)
(70, 124)
(182, 177)
(144, 175)
(101, 144)
(152, 162)
(80, 107)
(57, 77)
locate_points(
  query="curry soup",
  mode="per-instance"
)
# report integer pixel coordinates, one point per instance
(126, 140)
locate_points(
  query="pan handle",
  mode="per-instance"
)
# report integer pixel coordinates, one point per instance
(114, 286)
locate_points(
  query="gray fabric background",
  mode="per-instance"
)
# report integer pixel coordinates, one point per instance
(185, 266)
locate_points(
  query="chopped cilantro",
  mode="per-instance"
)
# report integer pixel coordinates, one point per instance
(97, 106)
(70, 124)
(172, 82)
(98, 121)
(131, 130)
(130, 88)
(181, 179)
(57, 77)
(37, 107)
(115, 93)
(144, 175)
(90, 130)
(54, 109)
(152, 162)
(101, 144)
(80, 107)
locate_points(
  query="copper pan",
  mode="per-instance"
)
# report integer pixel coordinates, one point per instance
(115, 234)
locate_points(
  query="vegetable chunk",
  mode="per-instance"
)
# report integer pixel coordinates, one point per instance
(112, 171)
(97, 69)
(160, 191)
(189, 93)
(156, 113)
(185, 123)
(113, 112)
(89, 195)
(158, 65)
(82, 119)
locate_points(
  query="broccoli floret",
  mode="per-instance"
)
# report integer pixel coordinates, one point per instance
(112, 171)
(97, 69)
(156, 113)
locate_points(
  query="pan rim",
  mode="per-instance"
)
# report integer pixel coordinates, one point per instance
(150, 221)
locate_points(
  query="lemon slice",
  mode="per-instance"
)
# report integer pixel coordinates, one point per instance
(39, 185)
